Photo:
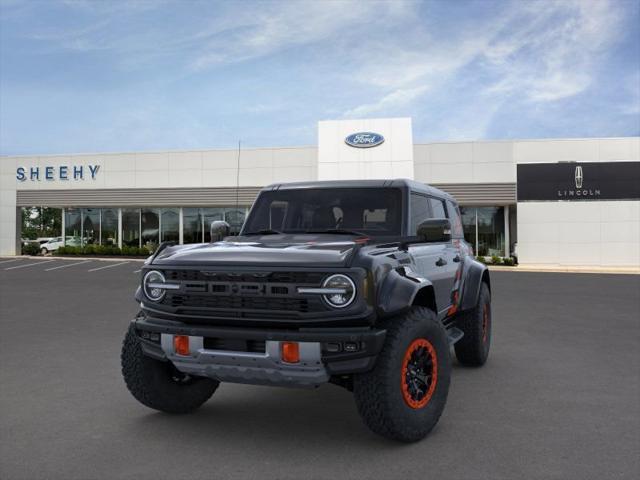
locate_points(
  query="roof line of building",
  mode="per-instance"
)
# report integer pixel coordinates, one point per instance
(301, 147)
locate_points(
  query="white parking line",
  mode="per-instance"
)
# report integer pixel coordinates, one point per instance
(9, 261)
(65, 266)
(137, 271)
(30, 264)
(108, 266)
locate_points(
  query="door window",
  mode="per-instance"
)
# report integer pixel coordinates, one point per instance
(437, 208)
(456, 222)
(419, 212)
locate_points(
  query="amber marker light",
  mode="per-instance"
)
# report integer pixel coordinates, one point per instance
(181, 344)
(290, 352)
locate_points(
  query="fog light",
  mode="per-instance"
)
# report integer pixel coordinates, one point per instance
(181, 344)
(290, 352)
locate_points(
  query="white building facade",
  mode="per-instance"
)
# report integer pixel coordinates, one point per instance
(565, 202)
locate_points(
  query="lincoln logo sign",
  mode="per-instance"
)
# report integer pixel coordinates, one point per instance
(364, 139)
(579, 177)
(62, 172)
(572, 182)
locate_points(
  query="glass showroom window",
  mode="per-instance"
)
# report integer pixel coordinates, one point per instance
(484, 229)
(235, 218)
(170, 225)
(191, 225)
(72, 226)
(131, 227)
(109, 227)
(210, 215)
(90, 226)
(150, 228)
(490, 230)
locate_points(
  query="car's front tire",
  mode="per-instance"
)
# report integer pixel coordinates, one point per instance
(159, 385)
(44, 251)
(403, 397)
(473, 348)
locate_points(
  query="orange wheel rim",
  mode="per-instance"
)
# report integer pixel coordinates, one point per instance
(419, 373)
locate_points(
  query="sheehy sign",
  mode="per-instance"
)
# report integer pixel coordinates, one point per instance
(61, 172)
(576, 181)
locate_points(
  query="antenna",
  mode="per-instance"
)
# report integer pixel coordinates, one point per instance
(238, 178)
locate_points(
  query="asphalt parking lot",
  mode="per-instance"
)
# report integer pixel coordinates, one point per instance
(559, 397)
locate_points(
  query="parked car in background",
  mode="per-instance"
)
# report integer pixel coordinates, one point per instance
(52, 245)
(56, 242)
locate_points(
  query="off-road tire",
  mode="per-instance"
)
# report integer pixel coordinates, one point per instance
(473, 348)
(379, 394)
(152, 382)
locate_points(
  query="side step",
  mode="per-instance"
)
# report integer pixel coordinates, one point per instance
(454, 334)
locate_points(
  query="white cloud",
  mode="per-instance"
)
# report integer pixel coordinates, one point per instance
(534, 51)
(395, 99)
(283, 25)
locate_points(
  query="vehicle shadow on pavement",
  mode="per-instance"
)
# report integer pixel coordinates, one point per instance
(280, 416)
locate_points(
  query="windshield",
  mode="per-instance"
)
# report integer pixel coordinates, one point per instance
(370, 211)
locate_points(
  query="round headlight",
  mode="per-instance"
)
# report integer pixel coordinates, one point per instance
(344, 291)
(153, 292)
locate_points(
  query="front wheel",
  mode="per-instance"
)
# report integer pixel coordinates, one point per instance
(159, 385)
(44, 251)
(403, 397)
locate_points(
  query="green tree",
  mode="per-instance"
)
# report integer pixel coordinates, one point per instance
(41, 222)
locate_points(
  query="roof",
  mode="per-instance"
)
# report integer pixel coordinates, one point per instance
(382, 183)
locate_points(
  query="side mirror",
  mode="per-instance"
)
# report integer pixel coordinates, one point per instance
(435, 230)
(219, 230)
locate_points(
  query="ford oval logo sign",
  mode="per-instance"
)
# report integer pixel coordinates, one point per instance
(364, 139)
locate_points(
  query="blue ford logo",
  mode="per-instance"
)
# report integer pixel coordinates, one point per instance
(364, 139)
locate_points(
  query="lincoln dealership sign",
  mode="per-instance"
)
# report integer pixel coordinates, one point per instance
(364, 139)
(579, 181)
(61, 172)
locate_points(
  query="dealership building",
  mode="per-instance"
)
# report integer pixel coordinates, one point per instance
(558, 202)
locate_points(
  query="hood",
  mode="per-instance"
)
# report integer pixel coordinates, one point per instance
(273, 250)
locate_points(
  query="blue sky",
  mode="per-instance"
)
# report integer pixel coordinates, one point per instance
(99, 76)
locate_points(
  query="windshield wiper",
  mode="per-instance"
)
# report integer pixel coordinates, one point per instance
(263, 232)
(338, 231)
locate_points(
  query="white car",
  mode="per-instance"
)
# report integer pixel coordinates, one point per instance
(56, 242)
(52, 245)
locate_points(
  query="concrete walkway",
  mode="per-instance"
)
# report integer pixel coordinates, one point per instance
(74, 257)
(566, 269)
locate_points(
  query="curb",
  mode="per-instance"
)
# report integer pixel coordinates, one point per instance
(561, 269)
(97, 259)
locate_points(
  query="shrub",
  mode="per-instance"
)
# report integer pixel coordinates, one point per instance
(103, 250)
(481, 259)
(31, 249)
(508, 261)
(496, 260)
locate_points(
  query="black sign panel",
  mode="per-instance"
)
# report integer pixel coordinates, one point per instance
(579, 181)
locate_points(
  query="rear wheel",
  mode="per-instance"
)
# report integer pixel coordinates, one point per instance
(403, 397)
(473, 348)
(159, 385)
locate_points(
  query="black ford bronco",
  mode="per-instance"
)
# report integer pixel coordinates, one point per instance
(364, 284)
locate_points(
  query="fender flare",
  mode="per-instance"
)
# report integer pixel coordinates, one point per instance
(474, 274)
(398, 292)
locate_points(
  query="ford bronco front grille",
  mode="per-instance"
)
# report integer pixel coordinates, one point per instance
(244, 303)
(245, 294)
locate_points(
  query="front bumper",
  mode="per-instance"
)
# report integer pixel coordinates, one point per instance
(324, 352)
